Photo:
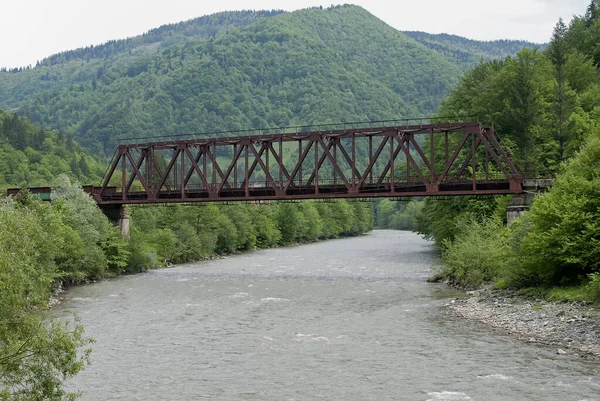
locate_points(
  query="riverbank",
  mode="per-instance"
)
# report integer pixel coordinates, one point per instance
(573, 328)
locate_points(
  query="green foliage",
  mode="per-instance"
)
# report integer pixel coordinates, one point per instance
(185, 233)
(467, 51)
(116, 251)
(576, 293)
(268, 233)
(593, 287)
(477, 255)
(36, 354)
(364, 218)
(398, 215)
(81, 213)
(32, 157)
(562, 243)
(438, 219)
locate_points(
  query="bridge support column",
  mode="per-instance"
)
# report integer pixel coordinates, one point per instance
(518, 205)
(118, 216)
(521, 203)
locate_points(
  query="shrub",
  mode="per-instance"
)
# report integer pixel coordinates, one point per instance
(593, 287)
(478, 255)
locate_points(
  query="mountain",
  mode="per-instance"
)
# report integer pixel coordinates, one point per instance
(242, 70)
(457, 49)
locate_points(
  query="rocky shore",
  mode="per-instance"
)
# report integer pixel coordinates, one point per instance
(572, 328)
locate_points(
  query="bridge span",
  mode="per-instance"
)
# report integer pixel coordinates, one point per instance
(449, 159)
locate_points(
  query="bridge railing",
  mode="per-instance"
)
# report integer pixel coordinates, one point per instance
(294, 129)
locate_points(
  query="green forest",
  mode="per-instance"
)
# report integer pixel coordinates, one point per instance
(545, 105)
(31, 156)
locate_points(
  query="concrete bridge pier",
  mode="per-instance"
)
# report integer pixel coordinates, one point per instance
(119, 216)
(521, 203)
(518, 205)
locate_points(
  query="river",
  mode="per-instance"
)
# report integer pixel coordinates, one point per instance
(347, 319)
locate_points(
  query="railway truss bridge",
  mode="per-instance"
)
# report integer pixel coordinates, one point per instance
(352, 161)
(375, 161)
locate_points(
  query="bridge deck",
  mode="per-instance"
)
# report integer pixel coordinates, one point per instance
(191, 195)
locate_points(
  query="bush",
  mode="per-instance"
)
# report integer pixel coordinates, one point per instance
(593, 287)
(478, 255)
(562, 245)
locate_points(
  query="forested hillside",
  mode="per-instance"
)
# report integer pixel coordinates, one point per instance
(546, 107)
(31, 156)
(241, 70)
(470, 52)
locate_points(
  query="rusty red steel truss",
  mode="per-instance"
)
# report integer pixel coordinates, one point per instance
(387, 161)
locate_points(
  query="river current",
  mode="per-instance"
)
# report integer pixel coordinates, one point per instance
(348, 319)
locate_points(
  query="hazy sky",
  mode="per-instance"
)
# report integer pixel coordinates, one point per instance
(33, 29)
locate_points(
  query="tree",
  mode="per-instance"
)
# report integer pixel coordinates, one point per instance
(564, 102)
(36, 353)
(313, 220)
(592, 13)
(82, 214)
(563, 239)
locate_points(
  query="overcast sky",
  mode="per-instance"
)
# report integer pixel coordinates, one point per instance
(33, 29)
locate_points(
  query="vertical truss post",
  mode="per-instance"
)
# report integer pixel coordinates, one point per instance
(281, 166)
(152, 178)
(123, 151)
(473, 162)
(214, 165)
(316, 167)
(446, 146)
(392, 166)
(432, 178)
(205, 150)
(353, 165)
(299, 163)
(335, 142)
(145, 156)
(246, 172)
(235, 172)
(175, 156)
(268, 172)
(182, 157)
(370, 158)
(407, 144)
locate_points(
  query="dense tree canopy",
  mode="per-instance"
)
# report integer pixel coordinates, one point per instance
(31, 156)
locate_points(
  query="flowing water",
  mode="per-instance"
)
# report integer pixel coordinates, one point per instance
(349, 319)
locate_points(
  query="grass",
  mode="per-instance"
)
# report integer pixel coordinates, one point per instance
(575, 293)
(580, 293)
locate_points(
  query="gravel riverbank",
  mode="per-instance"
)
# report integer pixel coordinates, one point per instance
(570, 327)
